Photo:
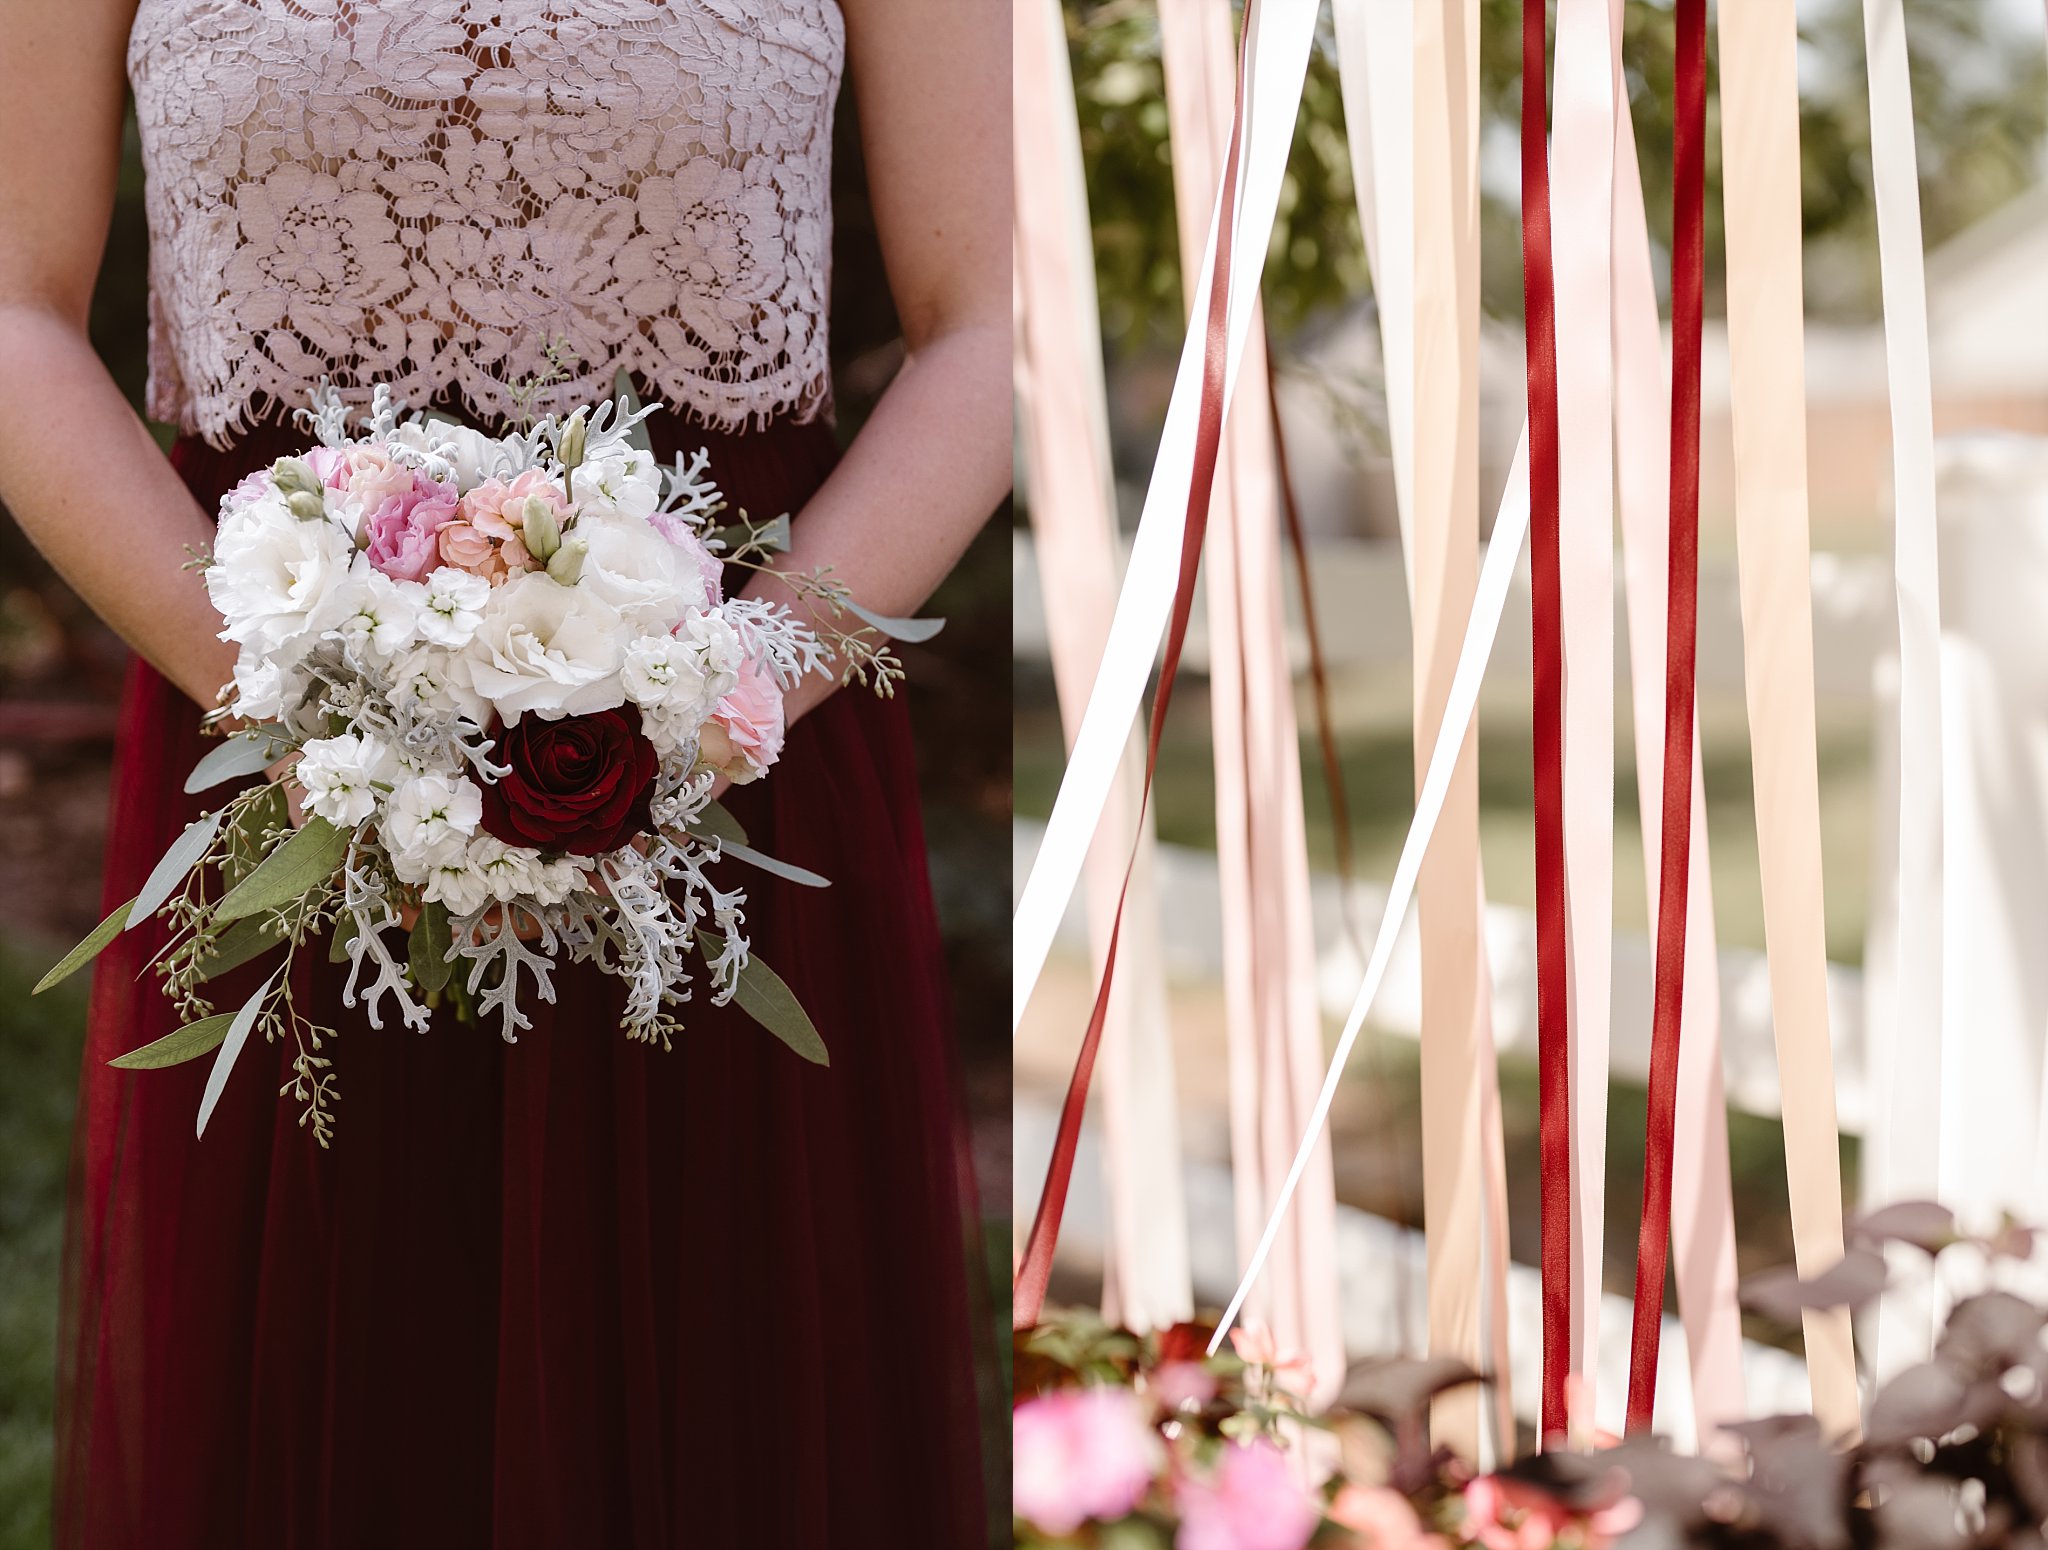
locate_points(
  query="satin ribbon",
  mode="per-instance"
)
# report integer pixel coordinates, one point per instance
(1702, 1211)
(1760, 184)
(1586, 82)
(1065, 435)
(1273, 1018)
(1275, 65)
(1553, 1008)
(1906, 1159)
(1688, 261)
(1376, 56)
(1035, 1270)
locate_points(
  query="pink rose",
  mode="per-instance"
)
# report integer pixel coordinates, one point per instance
(743, 736)
(1251, 1502)
(1504, 1514)
(1079, 1454)
(684, 537)
(370, 474)
(402, 533)
(1382, 1519)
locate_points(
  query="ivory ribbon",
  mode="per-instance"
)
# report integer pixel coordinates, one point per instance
(1277, 47)
(1274, 1020)
(1702, 1210)
(1376, 54)
(1760, 188)
(1586, 77)
(1457, 1038)
(1907, 1159)
(1073, 517)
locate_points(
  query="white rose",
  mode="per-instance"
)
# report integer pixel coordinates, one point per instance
(373, 612)
(341, 776)
(429, 682)
(271, 572)
(632, 568)
(453, 606)
(546, 648)
(429, 819)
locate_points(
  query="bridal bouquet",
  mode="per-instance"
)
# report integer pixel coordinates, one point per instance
(510, 681)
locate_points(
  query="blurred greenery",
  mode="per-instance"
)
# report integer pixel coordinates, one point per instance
(1980, 110)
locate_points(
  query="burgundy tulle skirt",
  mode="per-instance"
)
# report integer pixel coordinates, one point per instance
(569, 1292)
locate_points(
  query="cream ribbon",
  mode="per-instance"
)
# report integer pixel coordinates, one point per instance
(1274, 1020)
(1376, 56)
(1760, 189)
(1906, 1163)
(1582, 239)
(1702, 1204)
(1065, 433)
(1278, 40)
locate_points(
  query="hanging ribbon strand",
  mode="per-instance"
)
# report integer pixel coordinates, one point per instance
(1553, 1026)
(1688, 262)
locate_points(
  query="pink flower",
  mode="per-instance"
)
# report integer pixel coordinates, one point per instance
(402, 534)
(1256, 1347)
(1382, 1519)
(1251, 1502)
(1079, 1454)
(684, 537)
(487, 536)
(743, 736)
(1182, 1385)
(1504, 1514)
(330, 466)
(253, 487)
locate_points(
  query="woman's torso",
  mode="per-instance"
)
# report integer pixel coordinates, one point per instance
(432, 193)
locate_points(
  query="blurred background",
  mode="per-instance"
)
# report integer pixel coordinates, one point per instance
(1980, 85)
(60, 679)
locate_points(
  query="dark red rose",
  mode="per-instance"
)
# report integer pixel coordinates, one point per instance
(581, 784)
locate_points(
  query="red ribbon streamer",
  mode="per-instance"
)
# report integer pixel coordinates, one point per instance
(1688, 264)
(1553, 1009)
(1035, 1270)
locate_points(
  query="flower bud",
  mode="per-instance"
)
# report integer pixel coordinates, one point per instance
(539, 529)
(566, 566)
(306, 505)
(569, 441)
(292, 475)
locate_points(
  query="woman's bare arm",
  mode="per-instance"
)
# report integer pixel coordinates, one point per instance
(932, 80)
(78, 470)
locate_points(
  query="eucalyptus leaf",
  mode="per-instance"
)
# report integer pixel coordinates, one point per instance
(187, 1043)
(763, 996)
(912, 630)
(298, 866)
(428, 948)
(86, 951)
(783, 869)
(636, 437)
(717, 822)
(183, 855)
(770, 537)
(344, 932)
(244, 939)
(243, 754)
(231, 1046)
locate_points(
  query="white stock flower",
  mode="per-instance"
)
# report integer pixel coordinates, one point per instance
(271, 572)
(259, 687)
(371, 610)
(429, 819)
(546, 648)
(341, 776)
(716, 649)
(453, 606)
(624, 478)
(635, 570)
(677, 680)
(561, 877)
(428, 681)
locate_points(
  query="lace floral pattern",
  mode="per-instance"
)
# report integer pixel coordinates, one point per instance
(430, 192)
